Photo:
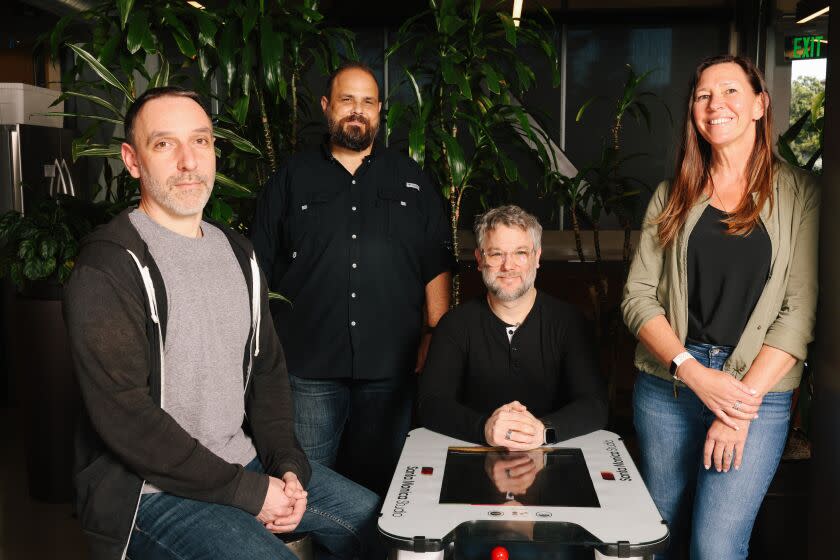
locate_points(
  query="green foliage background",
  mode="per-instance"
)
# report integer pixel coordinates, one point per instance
(803, 92)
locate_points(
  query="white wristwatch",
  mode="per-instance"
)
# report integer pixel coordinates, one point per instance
(678, 360)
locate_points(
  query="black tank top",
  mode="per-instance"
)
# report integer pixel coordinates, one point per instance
(726, 274)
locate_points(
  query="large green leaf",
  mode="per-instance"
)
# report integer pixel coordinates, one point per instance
(206, 29)
(240, 109)
(417, 141)
(230, 183)
(455, 159)
(491, 78)
(239, 142)
(185, 45)
(82, 116)
(395, 114)
(96, 99)
(510, 28)
(124, 6)
(227, 54)
(161, 78)
(450, 25)
(245, 67)
(415, 88)
(249, 20)
(103, 72)
(455, 76)
(271, 55)
(97, 150)
(139, 32)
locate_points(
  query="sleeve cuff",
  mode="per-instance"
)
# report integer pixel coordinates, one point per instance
(250, 494)
(788, 341)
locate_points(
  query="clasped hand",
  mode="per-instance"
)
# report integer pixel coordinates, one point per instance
(284, 505)
(513, 427)
(729, 399)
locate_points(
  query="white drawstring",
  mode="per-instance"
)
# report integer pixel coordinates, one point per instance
(150, 292)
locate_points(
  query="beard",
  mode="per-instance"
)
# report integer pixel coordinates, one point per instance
(177, 200)
(354, 138)
(491, 277)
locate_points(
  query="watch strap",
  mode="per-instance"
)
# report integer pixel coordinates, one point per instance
(679, 360)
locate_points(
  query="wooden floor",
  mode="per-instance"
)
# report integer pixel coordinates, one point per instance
(30, 530)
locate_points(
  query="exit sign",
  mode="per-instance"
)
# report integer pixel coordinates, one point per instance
(803, 48)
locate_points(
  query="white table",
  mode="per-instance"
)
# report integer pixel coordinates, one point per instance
(588, 493)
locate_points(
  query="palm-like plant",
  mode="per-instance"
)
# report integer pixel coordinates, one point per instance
(615, 193)
(465, 121)
(243, 50)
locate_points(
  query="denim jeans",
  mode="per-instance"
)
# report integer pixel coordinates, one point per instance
(711, 513)
(340, 516)
(356, 426)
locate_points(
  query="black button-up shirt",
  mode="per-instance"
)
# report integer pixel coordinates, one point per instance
(353, 253)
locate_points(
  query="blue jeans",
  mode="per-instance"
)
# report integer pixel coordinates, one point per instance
(356, 426)
(712, 513)
(340, 516)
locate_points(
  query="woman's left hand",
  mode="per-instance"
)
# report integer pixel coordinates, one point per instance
(725, 446)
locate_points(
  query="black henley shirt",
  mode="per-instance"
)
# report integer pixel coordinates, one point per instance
(353, 252)
(548, 365)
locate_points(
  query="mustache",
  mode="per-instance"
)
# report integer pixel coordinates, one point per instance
(187, 178)
(355, 118)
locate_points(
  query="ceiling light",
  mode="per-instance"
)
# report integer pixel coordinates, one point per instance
(517, 12)
(195, 4)
(808, 11)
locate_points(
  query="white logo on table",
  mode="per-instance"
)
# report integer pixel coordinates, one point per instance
(543, 514)
(405, 489)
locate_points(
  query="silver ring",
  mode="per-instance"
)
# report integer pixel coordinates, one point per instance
(508, 434)
(737, 405)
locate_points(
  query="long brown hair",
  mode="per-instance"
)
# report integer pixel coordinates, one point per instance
(693, 168)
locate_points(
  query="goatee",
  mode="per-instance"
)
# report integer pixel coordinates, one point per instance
(354, 138)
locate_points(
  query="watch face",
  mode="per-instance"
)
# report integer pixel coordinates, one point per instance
(550, 435)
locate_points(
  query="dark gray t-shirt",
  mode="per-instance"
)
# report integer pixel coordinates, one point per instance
(207, 328)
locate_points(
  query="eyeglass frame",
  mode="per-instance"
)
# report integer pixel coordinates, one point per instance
(506, 254)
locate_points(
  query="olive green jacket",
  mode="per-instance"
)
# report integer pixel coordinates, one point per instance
(783, 317)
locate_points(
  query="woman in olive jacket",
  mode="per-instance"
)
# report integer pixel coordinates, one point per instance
(721, 295)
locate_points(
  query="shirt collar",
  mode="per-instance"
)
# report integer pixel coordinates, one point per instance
(327, 153)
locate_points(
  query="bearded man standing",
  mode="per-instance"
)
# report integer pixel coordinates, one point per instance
(357, 239)
(514, 368)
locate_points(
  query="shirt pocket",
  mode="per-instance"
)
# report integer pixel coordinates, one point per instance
(401, 214)
(307, 217)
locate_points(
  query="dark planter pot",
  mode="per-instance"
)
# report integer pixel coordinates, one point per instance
(49, 395)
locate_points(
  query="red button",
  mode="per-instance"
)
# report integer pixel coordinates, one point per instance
(607, 475)
(427, 470)
(499, 553)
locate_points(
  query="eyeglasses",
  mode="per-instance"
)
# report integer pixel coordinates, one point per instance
(496, 258)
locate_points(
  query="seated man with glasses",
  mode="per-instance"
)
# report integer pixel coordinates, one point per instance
(514, 368)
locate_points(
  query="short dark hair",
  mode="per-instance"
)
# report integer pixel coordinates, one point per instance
(154, 93)
(349, 65)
